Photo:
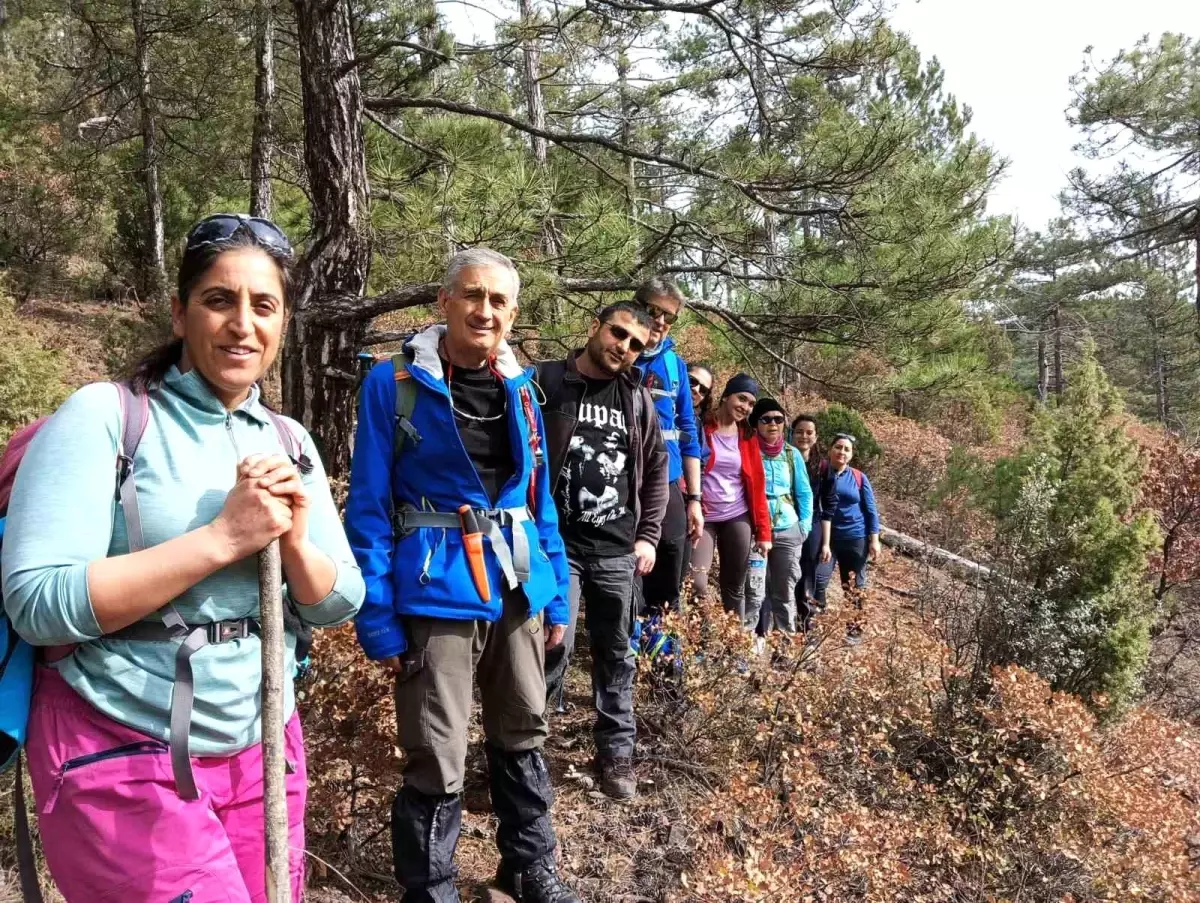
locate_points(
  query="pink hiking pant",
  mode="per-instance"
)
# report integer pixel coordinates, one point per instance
(113, 827)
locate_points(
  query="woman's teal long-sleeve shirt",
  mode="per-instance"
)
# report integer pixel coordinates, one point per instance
(63, 516)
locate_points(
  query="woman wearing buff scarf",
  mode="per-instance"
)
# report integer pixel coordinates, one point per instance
(790, 500)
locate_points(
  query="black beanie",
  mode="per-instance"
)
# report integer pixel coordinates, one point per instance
(764, 406)
(740, 383)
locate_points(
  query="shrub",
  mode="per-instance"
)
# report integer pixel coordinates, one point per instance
(840, 419)
(1071, 601)
(31, 378)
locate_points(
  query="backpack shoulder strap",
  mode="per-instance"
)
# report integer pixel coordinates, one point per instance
(529, 408)
(135, 414)
(406, 403)
(858, 477)
(288, 439)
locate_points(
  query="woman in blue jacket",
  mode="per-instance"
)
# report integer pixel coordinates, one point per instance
(790, 501)
(854, 519)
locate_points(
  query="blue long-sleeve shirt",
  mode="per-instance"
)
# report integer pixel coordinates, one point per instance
(855, 515)
(665, 375)
(789, 494)
(63, 516)
(426, 572)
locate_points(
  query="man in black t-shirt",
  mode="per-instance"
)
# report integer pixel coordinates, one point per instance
(609, 471)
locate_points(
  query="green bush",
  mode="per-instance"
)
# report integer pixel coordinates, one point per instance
(1073, 602)
(31, 378)
(840, 419)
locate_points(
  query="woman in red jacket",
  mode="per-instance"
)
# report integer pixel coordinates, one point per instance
(734, 497)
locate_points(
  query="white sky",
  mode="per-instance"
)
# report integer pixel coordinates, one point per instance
(1010, 62)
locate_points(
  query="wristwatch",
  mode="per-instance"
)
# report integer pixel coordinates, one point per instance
(693, 497)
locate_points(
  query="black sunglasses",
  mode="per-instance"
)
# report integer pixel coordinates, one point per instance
(221, 227)
(699, 386)
(770, 418)
(655, 312)
(620, 333)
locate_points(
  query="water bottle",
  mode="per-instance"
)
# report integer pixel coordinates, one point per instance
(757, 575)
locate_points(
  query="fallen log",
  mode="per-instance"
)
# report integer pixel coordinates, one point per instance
(962, 568)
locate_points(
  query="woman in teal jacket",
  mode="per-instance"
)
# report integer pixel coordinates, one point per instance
(790, 499)
(141, 795)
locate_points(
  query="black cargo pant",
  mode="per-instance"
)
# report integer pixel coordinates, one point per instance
(606, 587)
(660, 588)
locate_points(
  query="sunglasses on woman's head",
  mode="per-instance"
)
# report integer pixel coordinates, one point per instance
(769, 419)
(655, 312)
(699, 386)
(845, 436)
(221, 227)
(620, 333)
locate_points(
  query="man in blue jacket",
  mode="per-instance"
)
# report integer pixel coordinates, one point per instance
(665, 375)
(451, 519)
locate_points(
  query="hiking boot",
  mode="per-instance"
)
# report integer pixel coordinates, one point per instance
(854, 633)
(618, 780)
(537, 883)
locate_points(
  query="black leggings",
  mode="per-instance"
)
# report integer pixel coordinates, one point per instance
(851, 555)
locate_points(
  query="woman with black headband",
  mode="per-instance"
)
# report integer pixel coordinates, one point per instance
(144, 741)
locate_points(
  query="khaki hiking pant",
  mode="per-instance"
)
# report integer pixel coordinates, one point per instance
(433, 691)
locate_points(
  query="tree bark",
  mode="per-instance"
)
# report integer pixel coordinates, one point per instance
(1197, 242)
(319, 357)
(626, 133)
(1059, 383)
(534, 103)
(270, 611)
(1043, 377)
(536, 108)
(3, 28)
(262, 143)
(1159, 372)
(154, 277)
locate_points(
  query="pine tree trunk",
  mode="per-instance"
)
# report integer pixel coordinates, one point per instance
(1198, 278)
(3, 28)
(319, 357)
(1059, 383)
(535, 105)
(626, 127)
(262, 143)
(1043, 388)
(154, 278)
(1160, 376)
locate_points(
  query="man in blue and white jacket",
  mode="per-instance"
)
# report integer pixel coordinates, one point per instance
(452, 522)
(665, 375)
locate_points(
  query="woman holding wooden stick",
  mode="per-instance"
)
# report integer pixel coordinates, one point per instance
(144, 737)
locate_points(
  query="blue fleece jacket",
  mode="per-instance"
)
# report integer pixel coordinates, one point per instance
(665, 375)
(426, 573)
(855, 516)
(63, 516)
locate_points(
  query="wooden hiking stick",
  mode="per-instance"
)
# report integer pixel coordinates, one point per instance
(270, 595)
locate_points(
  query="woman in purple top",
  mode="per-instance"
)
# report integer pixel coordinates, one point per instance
(734, 493)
